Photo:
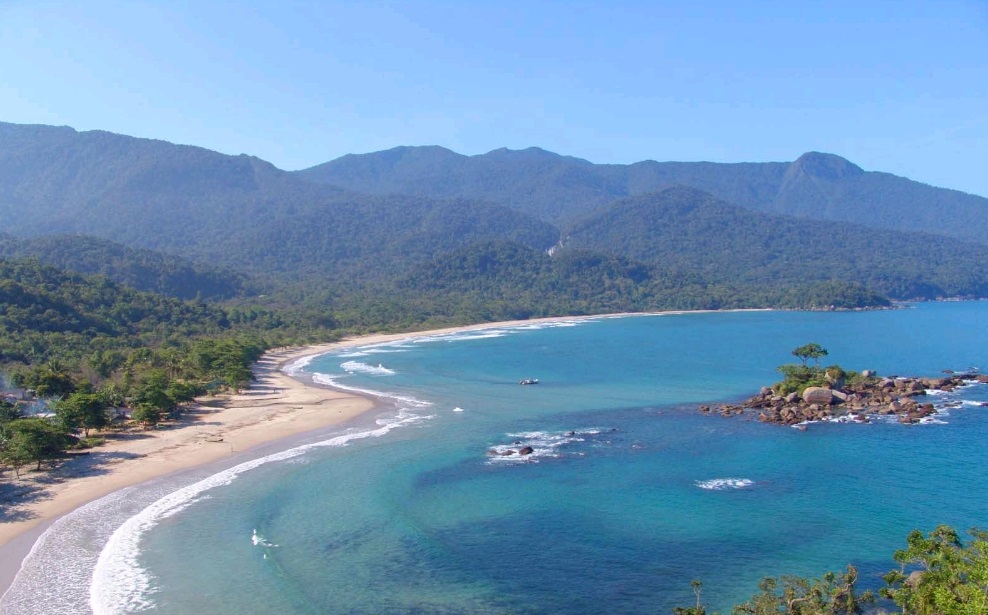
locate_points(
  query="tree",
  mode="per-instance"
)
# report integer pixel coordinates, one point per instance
(146, 414)
(33, 439)
(83, 409)
(8, 412)
(832, 594)
(699, 609)
(49, 380)
(810, 351)
(947, 577)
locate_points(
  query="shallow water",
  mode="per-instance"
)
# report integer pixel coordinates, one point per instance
(630, 492)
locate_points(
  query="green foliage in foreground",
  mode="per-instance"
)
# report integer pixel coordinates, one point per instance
(938, 575)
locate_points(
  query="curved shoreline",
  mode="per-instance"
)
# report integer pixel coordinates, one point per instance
(277, 406)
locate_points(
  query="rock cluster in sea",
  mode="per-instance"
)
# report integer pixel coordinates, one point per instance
(901, 397)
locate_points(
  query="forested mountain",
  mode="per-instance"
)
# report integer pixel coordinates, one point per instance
(42, 307)
(135, 267)
(503, 280)
(687, 229)
(334, 257)
(560, 189)
(234, 211)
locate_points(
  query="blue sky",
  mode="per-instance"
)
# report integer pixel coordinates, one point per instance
(897, 86)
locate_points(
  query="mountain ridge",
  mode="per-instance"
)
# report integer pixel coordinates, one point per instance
(559, 189)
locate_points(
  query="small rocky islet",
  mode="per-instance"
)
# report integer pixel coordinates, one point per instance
(869, 396)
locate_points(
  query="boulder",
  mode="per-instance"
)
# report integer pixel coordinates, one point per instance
(792, 398)
(818, 395)
(868, 373)
(840, 396)
(526, 450)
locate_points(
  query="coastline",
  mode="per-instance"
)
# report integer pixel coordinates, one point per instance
(275, 407)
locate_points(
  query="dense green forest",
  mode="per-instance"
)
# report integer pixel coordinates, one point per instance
(138, 268)
(87, 345)
(561, 189)
(688, 229)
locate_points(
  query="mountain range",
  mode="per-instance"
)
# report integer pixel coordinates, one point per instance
(560, 188)
(406, 230)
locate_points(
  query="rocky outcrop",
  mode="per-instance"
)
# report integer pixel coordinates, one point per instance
(818, 395)
(902, 397)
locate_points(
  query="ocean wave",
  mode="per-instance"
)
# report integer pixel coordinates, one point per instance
(538, 326)
(121, 585)
(364, 368)
(457, 409)
(260, 541)
(55, 576)
(482, 334)
(386, 349)
(334, 381)
(543, 444)
(298, 365)
(722, 484)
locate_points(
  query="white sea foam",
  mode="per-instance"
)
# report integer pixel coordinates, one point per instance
(260, 541)
(384, 349)
(121, 585)
(334, 381)
(482, 334)
(722, 484)
(364, 368)
(538, 326)
(295, 367)
(55, 575)
(544, 444)
(457, 409)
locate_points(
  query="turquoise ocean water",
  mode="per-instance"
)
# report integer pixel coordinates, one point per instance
(629, 495)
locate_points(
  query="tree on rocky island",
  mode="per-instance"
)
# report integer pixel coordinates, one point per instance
(810, 351)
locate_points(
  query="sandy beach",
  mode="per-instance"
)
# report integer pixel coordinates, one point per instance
(276, 406)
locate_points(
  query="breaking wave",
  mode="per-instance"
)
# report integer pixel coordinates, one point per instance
(722, 484)
(363, 368)
(121, 585)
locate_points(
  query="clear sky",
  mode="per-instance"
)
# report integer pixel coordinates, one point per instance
(898, 86)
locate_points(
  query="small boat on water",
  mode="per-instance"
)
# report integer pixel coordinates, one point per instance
(529, 381)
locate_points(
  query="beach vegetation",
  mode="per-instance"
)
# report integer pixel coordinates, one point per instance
(83, 409)
(33, 440)
(147, 414)
(937, 575)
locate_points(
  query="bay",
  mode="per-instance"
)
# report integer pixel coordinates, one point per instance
(630, 492)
